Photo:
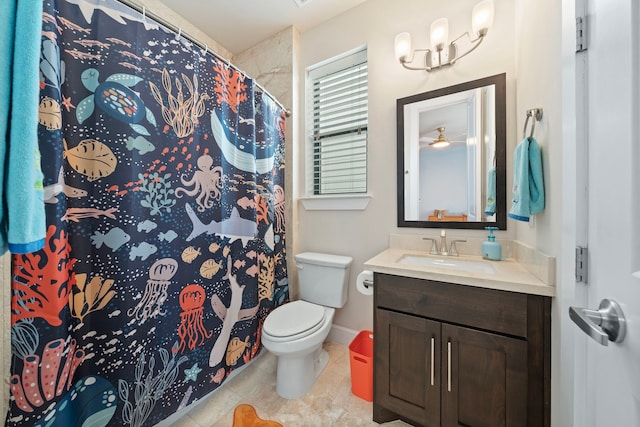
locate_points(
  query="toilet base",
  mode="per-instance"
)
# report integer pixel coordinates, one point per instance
(296, 375)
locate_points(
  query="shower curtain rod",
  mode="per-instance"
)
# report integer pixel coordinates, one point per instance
(145, 12)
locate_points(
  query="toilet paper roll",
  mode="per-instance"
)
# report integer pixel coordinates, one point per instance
(364, 282)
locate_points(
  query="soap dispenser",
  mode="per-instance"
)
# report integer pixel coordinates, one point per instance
(491, 249)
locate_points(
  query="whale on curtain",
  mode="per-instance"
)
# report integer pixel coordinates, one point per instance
(235, 154)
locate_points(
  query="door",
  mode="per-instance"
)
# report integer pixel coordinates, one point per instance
(408, 366)
(484, 379)
(609, 71)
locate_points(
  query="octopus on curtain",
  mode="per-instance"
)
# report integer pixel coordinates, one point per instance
(191, 328)
(155, 293)
(278, 193)
(206, 182)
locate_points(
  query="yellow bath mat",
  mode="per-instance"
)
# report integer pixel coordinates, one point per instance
(245, 416)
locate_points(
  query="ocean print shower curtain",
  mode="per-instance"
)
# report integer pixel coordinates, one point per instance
(164, 188)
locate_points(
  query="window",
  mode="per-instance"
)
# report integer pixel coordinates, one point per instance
(338, 106)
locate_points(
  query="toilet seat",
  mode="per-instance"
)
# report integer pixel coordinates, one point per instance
(294, 320)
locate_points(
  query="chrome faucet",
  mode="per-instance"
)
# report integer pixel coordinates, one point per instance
(443, 243)
(453, 250)
(434, 245)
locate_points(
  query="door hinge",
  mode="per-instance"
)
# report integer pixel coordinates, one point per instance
(581, 34)
(581, 264)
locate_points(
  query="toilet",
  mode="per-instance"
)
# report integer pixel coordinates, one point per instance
(295, 331)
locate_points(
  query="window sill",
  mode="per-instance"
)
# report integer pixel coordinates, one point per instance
(349, 202)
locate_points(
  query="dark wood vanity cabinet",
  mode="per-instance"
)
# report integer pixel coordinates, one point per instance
(456, 355)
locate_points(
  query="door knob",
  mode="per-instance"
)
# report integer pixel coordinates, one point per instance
(603, 325)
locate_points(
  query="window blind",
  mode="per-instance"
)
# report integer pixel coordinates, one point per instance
(339, 122)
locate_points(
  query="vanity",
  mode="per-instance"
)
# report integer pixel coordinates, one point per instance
(459, 341)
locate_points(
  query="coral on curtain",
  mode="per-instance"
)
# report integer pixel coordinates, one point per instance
(164, 188)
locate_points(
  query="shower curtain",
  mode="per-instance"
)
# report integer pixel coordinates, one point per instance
(165, 249)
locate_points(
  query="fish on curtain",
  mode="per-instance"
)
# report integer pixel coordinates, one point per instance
(165, 247)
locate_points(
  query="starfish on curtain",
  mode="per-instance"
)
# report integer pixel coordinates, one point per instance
(66, 102)
(192, 373)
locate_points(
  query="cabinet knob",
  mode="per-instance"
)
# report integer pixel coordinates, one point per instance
(449, 366)
(433, 363)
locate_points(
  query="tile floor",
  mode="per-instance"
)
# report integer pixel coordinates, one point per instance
(329, 403)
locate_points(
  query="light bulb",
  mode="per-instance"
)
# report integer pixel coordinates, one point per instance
(402, 46)
(482, 18)
(440, 144)
(439, 34)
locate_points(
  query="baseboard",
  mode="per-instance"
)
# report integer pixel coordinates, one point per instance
(341, 335)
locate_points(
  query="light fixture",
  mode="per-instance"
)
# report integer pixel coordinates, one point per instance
(443, 53)
(440, 141)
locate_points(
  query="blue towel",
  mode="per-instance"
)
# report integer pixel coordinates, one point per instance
(490, 205)
(22, 216)
(528, 181)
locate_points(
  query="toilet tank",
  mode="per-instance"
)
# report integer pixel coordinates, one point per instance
(323, 278)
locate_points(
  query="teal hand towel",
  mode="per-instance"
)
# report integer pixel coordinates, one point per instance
(528, 181)
(22, 218)
(8, 22)
(490, 205)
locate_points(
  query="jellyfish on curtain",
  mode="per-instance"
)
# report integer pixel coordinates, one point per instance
(279, 206)
(191, 327)
(155, 294)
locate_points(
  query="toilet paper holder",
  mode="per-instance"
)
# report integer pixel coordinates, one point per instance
(365, 282)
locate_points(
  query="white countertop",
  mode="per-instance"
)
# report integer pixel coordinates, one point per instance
(508, 276)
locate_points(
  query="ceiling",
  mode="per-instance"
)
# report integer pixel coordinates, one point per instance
(452, 117)
(240, 24)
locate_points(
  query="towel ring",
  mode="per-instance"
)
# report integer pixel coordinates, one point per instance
(537, 114)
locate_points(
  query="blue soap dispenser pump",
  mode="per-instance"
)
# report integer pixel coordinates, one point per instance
(491, 249)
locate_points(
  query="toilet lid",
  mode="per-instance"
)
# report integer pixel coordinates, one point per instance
(293, 318)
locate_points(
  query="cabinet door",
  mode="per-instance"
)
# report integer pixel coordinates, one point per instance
(407, 357)
(484, 379)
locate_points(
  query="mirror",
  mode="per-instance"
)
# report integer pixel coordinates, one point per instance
(452, 156)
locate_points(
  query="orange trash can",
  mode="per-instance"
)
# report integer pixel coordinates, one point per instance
(361, 363)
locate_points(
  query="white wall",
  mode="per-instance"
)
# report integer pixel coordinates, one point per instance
(525, 42)
(363, 234)
(539, 85)
(443, 181)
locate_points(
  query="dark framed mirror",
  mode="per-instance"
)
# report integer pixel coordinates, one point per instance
(452, 156)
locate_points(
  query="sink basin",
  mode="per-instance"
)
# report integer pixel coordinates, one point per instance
(448, 263)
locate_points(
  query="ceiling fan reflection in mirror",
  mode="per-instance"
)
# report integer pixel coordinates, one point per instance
(441, 141)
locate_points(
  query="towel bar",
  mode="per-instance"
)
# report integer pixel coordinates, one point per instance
(537, 114)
